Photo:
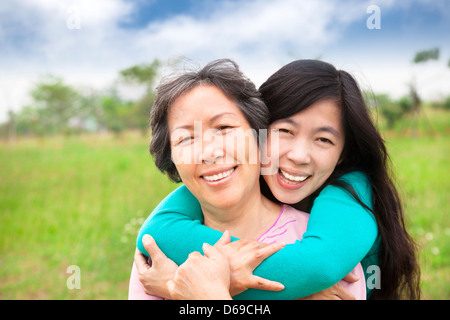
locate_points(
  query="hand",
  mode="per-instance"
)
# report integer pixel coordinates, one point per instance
(154, 277)
(202, 277)
(336, 292)
(244, 256)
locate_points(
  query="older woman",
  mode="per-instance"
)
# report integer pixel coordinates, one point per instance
(205, 127)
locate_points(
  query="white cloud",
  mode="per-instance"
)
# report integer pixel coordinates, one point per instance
(260, 35)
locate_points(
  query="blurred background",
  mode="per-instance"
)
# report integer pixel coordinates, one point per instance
(77, 81)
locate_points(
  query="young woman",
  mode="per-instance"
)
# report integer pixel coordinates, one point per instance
(355, 211)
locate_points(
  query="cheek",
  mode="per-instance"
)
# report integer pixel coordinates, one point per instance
(326, 163)
(185, 171)
(242, 148)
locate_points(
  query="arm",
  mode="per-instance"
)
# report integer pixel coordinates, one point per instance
(340, 232)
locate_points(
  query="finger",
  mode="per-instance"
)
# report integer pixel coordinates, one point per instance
(152, 248)
(141, 261)
(342, 293)
(224, 239)
(351, 277)
(212, 252)
(256, 282)
(194, 255)
(263, 253)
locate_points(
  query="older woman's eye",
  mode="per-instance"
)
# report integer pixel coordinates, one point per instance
(184, 139)
(224, 128)
(281, 130)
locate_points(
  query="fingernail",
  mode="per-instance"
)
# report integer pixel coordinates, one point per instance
(205, 245)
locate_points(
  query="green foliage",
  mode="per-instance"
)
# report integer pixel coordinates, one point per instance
(144, 73)
(446, 104)
(55, 103)
(60, 108)
(426, 55)
(79, 200)
(73, 201)
(393, 111)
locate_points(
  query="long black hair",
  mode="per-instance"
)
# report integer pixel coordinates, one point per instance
(298, 85)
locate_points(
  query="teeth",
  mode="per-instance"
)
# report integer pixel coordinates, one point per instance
(219, 176)
(292, 179)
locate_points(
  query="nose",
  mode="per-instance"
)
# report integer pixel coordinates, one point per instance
(300, 154)
(211, 154)
(213, 149)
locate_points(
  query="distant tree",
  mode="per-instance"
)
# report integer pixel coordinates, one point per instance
(420, 57)
(116, 114)
(56, 103)
(426, 55)
(142, 74)
(392, 110)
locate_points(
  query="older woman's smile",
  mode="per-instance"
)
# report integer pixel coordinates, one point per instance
(218, 174)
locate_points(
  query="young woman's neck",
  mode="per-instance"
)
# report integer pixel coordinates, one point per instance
(248, 219)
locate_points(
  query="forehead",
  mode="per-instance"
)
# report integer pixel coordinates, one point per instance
(204, 102)
(323, 111)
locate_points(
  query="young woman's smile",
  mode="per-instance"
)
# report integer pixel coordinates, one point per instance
(310, 144)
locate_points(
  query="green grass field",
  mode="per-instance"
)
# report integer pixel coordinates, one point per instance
(80, 201)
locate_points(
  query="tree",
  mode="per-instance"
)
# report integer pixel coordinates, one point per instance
(420, 57)
(426, 55)
(142, 74)
(56, 102)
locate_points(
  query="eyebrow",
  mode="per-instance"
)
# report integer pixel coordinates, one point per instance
(220, 115)
(214, 118)
(329, 129)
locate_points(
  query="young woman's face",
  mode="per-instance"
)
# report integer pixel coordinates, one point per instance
(213, 147)
(309, 148)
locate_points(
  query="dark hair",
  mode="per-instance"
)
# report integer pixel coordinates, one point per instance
(297, 86)
(223, 74)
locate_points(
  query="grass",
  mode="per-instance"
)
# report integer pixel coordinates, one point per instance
(76, 201)
(80, 201)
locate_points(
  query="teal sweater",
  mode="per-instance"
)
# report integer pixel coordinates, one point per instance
(340, 234)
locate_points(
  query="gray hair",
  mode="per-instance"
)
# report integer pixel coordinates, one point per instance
(223, 74)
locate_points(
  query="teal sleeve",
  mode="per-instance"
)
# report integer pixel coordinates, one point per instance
(339, 234)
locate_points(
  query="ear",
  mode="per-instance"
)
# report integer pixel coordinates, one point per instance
(342, 156)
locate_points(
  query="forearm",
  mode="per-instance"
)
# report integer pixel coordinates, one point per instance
(338, 236)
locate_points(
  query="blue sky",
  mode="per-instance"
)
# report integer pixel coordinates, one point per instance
(38, 37)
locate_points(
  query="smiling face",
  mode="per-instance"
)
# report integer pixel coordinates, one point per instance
(212, 144)
(309, 148)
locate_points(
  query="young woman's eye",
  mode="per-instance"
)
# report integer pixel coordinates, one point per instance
(325, 140)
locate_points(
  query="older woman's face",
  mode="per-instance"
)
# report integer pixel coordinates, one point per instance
(213, 148)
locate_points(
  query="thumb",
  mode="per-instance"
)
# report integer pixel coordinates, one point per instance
(152, 248)
(351, 277)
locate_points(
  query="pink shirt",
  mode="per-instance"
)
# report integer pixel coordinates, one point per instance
(288, 228)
